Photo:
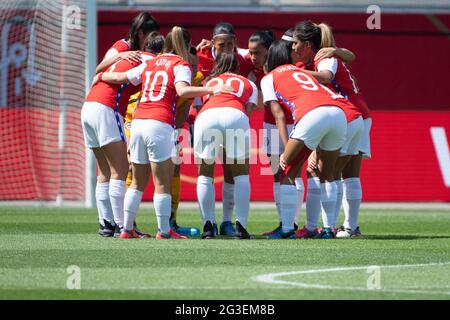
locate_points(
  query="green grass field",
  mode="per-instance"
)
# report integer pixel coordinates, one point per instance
(411, 247)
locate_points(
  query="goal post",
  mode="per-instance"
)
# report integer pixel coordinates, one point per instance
(48, 54)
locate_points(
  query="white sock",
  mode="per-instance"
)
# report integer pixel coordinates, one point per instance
(300, 192)
(288, 206)
(276, 197)
(352, 202)
(206, 198)
(227, 201)
(340, 194)
(162, 203)
(328, 200)
(132, 201)
(117, 189)
(242, 198)
(313, 204)
(103, 204)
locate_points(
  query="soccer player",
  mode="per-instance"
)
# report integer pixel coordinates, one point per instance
(102, 120)
(333, 72)
(224, 119)
(152, 134)
(319, 121)
(223, 40)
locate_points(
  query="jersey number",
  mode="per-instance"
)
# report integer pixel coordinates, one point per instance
(306, 82)
(150, 94)
(229, 83)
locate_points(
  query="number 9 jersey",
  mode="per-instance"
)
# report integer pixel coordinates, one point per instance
(158, 78)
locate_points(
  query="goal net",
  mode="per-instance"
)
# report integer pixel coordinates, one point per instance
(43, 51)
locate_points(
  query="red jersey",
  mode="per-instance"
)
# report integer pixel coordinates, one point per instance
(245, 92)
(116, 96)
(343, 83)
(299, 92)
(158, 78)
(119, 46)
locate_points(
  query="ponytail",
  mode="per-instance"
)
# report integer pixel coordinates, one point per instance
(178, 42)
(326, 36)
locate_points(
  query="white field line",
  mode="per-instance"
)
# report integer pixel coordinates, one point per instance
(270, 279)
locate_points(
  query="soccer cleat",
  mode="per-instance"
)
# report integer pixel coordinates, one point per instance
(216, 231)
(227, 228)
(283, 235)
(170, 235)
(107, 230)
(129, 234)
(141, 233)
(241, 233)
(192, 232)
(117, 231)
(208, 231)
(326, 233)
(304, 233)
(276, 230)
(343, 233)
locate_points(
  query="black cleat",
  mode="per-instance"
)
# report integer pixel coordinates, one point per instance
(241, 233)
(107, 230)
(118, 230)
(208, 231)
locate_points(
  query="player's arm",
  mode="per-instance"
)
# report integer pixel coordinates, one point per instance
(280, 120)
(186, 91)
(346, 55)
(252, 103)
(182, 113)
(130, 56)
(132, 75)
(326, 70)
(324, 77)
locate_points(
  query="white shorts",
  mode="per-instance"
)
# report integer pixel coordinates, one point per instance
(272, 143)
(217, 127)
(151, 141)
(364, 143)
(353, 137)
(100, 125)
(324, 126)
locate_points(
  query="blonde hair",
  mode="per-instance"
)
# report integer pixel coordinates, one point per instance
(178, 41)
(326, 36)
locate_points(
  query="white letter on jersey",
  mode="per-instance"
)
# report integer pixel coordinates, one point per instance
(374, 21)
(442, 151)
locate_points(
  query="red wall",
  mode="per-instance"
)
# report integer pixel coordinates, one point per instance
(394, 70)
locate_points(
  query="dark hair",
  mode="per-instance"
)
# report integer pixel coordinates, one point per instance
(154, 43)
(223, 28)
(288, 35)
(144, 22)
(309, 31)
(265, 38)
(178, 41)
(279, 54)
(225, 62)
(193, 50)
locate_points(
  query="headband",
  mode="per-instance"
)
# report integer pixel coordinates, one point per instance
(287, 38)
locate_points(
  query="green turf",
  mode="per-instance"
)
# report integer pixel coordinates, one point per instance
(39, 244)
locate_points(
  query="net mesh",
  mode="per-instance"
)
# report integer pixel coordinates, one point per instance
(42, 88)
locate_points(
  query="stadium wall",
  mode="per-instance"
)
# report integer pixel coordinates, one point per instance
(394, 69)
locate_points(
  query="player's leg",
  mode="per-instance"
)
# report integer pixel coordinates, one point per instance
(105, 213)
(116, 155)
(206, 197)
(241, 178)
(228, 201)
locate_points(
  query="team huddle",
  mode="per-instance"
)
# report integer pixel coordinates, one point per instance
(149, 87)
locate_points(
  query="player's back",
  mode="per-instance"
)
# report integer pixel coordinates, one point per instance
(158, 87)
(116, 96)
(301, 93)
(244, 92)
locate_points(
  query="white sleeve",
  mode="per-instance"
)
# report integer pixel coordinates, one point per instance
(135, 75)
(328, 64)
(111, 53)
(254, 97)
(182, 74)
(267, 89)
